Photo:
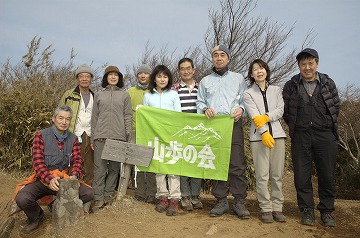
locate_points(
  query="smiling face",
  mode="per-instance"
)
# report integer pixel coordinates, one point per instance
(143, 78)
(186, 71)
(259, 74)
(161, 81)
(308, 67)
(112, 78)
(84, 80)
(62, 121)
(220, 60)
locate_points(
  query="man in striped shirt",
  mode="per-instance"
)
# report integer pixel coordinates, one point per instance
(187, 89)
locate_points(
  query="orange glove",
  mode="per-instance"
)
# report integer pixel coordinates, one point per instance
(260, 120)
(267, 139)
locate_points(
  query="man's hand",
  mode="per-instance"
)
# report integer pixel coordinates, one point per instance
(92, 146)
(54, 184)
(260, 120)
(237, 114)
(209, 113)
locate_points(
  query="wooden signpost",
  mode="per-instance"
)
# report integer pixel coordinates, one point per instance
(129, 154)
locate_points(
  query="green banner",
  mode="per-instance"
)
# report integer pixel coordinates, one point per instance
(186, 144)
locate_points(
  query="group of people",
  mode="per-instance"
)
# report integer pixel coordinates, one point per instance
(308, 103)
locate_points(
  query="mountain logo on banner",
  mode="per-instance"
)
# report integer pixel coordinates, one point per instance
(199, 132)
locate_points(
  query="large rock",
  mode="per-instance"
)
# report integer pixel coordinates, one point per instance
(67, 210)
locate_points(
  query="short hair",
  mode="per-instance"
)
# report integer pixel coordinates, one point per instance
(183, 60)
(160, 69)
(306, 56)
(261, 63)
(63, 108)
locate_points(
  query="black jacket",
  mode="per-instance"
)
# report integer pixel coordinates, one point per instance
(291, 98)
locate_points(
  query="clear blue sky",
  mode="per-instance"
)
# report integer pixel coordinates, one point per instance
(115, 32)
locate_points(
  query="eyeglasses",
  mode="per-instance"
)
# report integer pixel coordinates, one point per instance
(86, 76)
(186, 69)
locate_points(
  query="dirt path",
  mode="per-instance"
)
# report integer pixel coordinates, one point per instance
(129, 218)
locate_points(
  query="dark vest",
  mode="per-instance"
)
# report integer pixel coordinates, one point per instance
(54, 157)
(312, 110)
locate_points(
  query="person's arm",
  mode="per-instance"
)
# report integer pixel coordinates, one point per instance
(177, 103)
(286, 99)
(94, 118)
(253, 110)
(76, 160)
(128, 115)
(62, 100)
(201, 104)
(278, 111)
(38, 159)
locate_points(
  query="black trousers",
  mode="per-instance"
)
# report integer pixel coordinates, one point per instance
(27, 198)
(146, 184)
(237, 185)
(320, 147)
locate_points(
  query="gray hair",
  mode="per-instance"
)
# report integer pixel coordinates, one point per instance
(63, 108)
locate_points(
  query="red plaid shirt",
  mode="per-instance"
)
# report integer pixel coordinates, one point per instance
(38, 158)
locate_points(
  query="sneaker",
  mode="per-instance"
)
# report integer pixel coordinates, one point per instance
(327, 219)
(162, 205)
(97, 205)
(186, 204)
(221, 207)
(32, 226)
(308, 217)
(240, 209)
(197, 204)
(278, 216)
(173, 207)
(267, 217)
(151, 199)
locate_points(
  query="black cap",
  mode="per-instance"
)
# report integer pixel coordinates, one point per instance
(308, 51)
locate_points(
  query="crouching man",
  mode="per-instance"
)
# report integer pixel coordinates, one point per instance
(55, 155)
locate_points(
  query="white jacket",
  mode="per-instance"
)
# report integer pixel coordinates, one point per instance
(254, 103)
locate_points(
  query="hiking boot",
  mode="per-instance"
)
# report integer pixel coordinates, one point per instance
(97, 205)
(109, 199)
(240, 209)
(32, 226)
(267, 217)
(308, 217)
(197, 204)
(327, 219)
(50, 205)
(278, 216)
(139, 198)
(186, 204)
(162, 205)
(150, 199)
(220, 208)
(173, 207)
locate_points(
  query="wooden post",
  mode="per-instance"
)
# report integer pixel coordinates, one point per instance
(129, 154)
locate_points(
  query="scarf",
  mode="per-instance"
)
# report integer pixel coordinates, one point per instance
(221, 72)
(142, 86)
(58, 136)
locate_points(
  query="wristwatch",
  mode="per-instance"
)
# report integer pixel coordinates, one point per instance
(204, 110)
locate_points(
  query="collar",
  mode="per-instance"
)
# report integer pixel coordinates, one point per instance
(317, 78)
(183, 85)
